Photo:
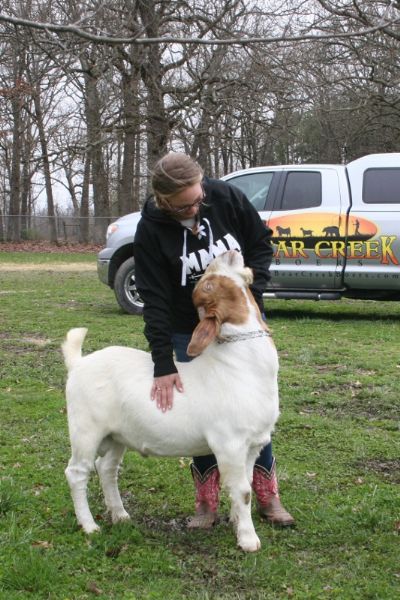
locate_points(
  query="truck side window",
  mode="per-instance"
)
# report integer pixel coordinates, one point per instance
(255, 186)
(302, 190)
(381, 186)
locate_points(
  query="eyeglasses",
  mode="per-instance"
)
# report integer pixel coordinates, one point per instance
(186, 207)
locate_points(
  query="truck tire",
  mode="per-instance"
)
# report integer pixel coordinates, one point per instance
(125, 289)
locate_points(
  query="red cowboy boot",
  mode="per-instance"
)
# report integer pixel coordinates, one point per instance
(265, 486)
(207, 498)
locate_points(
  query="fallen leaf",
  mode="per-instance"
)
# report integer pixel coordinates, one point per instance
(289, 591)
(42, 544)
(94, 589)
(38, 489)
(116, 551)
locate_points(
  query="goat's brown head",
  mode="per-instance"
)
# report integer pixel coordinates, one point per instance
(219, 298)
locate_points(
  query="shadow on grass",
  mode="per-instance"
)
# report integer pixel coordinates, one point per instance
(291, 313)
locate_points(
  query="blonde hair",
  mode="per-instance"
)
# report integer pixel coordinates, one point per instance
(172, 173)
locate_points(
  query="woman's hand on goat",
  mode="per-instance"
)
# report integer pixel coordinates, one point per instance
(162, 390)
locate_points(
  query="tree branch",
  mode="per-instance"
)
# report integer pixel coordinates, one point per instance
(242, 41)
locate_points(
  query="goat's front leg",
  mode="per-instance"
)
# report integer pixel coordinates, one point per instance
(107, 468)
(233, 470)
(252, 456)
(77, 474)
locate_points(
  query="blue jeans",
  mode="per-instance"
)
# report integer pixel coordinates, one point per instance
(180, 342)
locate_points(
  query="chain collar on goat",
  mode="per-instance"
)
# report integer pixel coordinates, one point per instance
(237, 337)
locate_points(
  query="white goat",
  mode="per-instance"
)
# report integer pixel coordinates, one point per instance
(229, 405)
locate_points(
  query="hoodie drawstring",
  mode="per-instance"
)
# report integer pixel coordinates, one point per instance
(183, 278)
(184, 250)
(210, 241)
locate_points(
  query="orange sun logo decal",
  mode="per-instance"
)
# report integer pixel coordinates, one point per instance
(321, 225)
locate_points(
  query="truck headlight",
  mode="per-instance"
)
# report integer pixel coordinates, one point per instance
(111, 229)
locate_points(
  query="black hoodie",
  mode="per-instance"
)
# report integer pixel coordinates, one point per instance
(170, 259)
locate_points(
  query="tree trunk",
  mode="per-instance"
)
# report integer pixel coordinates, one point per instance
(95, 152)
(84, 209)
(46, 165)
(14, 223)
(128, 201)
(158, 126)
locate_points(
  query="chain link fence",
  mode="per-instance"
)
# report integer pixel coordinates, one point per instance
(61, 228)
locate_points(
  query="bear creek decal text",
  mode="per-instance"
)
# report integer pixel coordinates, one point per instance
(377, 249)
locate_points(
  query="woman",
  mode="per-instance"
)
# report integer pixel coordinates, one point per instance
(189, 221)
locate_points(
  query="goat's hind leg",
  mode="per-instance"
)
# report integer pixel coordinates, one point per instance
(107, 467)
(233, 470)
(77, 474)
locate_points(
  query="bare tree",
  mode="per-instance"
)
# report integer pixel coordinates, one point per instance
(91, 66)
(111, 86)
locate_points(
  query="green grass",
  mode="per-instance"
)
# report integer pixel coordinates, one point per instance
(42, 258)
(337, 445)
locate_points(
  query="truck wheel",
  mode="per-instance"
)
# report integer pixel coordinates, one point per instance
(125, 289)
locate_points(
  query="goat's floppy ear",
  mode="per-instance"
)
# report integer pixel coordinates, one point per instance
(205, 332)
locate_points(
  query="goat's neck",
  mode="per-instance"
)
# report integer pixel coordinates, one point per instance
(239, 346)
(252, 324)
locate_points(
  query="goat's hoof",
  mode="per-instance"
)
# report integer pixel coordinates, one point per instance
(120, 517)
(89, 529)
(249, 543)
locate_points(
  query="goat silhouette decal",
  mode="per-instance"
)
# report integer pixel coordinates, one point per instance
(306, 232)
(283, 231)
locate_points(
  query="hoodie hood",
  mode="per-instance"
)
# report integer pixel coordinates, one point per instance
(151, 212)
(202, 228)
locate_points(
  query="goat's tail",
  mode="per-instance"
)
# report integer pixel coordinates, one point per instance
(72, 346)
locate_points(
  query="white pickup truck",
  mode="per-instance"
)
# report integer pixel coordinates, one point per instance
(336, 231)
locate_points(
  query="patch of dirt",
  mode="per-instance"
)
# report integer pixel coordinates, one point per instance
(388, 469)
(179, 524)
(67, 267)
(364, 410)
(160, 523)
(36, 341)
(26, 344)
(354, 399)
(48, 247)
(166, 525)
